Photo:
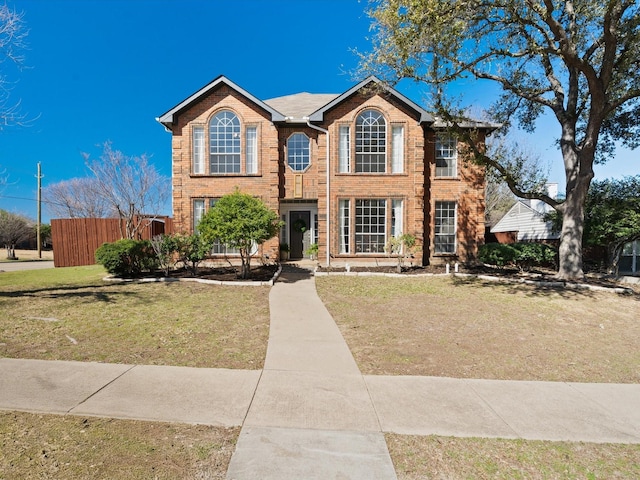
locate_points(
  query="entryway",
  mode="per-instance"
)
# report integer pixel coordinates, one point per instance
(299, 232)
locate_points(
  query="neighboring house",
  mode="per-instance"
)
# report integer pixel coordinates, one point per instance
(378, 163)
(630, 259)
(525, 221)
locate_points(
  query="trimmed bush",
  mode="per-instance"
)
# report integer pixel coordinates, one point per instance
(127, 258)
(498, 254)
(534, 255)
(522, 255)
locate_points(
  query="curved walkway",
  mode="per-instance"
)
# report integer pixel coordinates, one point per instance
(310, 413)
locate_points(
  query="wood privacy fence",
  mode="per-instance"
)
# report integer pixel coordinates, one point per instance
(75, 240)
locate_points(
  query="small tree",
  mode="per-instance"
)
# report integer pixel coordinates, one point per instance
(240, 221)
(165, 247)
(131, 187)
(191, 249)
(13, 230)
(400, 247)
(76, 198)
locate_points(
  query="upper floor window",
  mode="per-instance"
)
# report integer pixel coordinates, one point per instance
(446, 156)
(371, 142)
(198, 150)
(224, 143)
(298, 157)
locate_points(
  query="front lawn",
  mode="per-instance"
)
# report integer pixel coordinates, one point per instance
(72, 314)
(467, 328)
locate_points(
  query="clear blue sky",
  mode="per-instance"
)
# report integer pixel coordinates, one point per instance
(103, 70)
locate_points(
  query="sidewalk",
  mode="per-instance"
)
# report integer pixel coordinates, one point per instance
(310, 413)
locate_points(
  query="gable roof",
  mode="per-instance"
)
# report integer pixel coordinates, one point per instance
(300, 107)
(167, 119)
(527, 218)
(424, 116)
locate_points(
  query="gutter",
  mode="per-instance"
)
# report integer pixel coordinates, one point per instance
(328, 212)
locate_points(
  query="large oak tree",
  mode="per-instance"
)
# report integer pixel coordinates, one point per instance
(577, 59)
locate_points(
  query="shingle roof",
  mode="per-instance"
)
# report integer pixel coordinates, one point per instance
(300, 105)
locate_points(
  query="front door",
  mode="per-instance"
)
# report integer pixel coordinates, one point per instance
(299, 230)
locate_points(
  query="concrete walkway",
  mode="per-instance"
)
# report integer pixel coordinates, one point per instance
(312, 416)
(310, 413)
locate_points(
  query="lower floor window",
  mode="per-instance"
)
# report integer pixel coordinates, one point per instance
(371, 220)
(445, 227)
(370, 226)
(199, 212)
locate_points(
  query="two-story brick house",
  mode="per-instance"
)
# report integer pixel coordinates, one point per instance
(345, 171)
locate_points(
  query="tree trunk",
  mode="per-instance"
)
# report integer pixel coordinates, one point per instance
(572, 209)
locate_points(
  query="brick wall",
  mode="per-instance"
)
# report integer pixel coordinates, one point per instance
(417, 186)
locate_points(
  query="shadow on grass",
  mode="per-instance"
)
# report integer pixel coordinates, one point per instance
(541, 287)
(95, 292)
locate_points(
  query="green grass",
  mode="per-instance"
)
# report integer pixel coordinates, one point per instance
(72, 314)
(72, 448)
(424, 457)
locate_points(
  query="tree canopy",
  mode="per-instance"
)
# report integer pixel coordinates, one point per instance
(574, 59)
(130, 186)
(14, 229)
(613, 215)
(239, 221)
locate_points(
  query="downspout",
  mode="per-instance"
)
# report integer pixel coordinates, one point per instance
(326, 132)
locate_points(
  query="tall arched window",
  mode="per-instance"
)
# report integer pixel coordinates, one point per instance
(371, 142)
(224, 143)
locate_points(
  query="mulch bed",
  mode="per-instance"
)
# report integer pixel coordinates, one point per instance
(259, 273)
(539, 275)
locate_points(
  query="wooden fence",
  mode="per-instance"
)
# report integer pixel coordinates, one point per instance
(75, 240)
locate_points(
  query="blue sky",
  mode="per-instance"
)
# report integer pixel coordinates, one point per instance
(103, 70)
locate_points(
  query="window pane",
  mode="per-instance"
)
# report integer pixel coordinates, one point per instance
(198, 149)
(370, 225)
(397, 149)
(224, 143)
(344, 226)
(251, 150)
(396, 218)
(371, 146)
(298, 152)
(446, 156)
(198, 213)
(344, 156)
(445, 227)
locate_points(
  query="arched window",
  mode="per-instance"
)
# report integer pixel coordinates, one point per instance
(371, 142)
(298, 157)
(224, 143)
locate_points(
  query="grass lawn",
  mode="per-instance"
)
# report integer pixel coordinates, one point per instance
(418, 326)
(76, 448)
(72, 314)
(465, 328)
(460, 328)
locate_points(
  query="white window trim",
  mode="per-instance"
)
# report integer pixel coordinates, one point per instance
(455, 228)
(251, 150)
(452, 161)
(198, 146)
(308, 152)
(344, 149)
(397, 149)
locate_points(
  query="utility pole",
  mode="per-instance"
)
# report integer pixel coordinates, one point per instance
(39, 221)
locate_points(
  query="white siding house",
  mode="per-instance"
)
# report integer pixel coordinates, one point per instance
(526, 218)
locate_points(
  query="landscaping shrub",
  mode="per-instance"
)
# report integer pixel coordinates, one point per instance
(127, 258)
(498, 254)
(534, 255)
(522, 255)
